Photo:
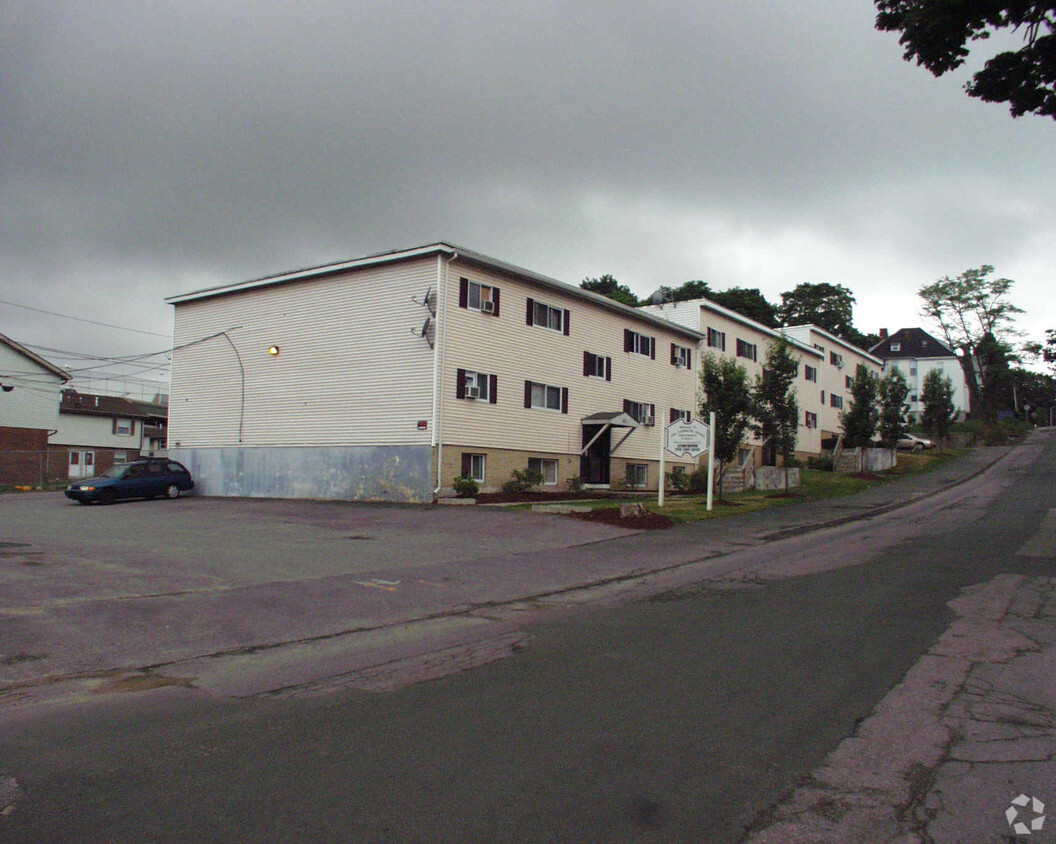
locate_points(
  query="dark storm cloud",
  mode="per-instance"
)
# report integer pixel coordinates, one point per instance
(149, 148)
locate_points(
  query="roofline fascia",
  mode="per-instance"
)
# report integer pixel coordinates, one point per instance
(833, 338)
(37, 359)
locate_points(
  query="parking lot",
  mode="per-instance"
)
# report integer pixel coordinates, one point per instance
(143, 583)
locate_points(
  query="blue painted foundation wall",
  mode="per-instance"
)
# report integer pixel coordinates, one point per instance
(346, 473)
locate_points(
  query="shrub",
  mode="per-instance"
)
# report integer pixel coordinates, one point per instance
(575, 483)
(465, 487)
(823, 463)
(698, 481)
(678, 481)
(522, 480)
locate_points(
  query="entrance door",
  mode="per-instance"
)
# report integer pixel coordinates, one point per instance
(82, 464)
(594, 463)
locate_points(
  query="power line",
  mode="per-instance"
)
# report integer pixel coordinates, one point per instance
(81, 319)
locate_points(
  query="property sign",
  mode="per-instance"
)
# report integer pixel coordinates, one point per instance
(688, 439)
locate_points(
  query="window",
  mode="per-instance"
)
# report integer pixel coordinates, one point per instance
(681, 356)
(848, 382)
(124, 427)
(479, 386)
(811, 420)
(120, 457)
(820, 349)
(835, 359)
(913, 370)
(547, 467)
(637, 474)
(717, 339)
(546, 316)
(836, 401)
(823, 397)
(473, 466)
(810, 373)
(895, 347)
(545, 396)
(747, 350)
(913, 397)
(677, 414)
(596, 366)
(478, 297)
(642, 412)
(641, 344)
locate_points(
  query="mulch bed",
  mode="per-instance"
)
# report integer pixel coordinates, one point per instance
(538, 497)
(611, 516)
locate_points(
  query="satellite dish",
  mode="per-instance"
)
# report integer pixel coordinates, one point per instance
(663, 296)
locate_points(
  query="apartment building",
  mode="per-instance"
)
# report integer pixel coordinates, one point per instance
(385, 377)
(916, 353)
(833, 376)
(730, 334)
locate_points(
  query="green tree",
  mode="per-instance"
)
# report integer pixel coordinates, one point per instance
(749, 302)
(609, 287)
(695, 289)
(939, 411)
(828, 306)
(894, 412)
(976, 319)
(936, 33)
(859, 422)
(774, 403)
(725, 391)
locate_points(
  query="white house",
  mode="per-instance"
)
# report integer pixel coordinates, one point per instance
(916, 353)
(95, 432)
(29, 411)
(387, 376)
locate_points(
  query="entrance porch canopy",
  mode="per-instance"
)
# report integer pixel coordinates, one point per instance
(613, 419)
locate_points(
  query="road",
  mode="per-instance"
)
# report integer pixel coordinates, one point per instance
(676, 716)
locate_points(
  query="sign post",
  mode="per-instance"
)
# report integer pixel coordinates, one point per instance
(686, 439)
(711, 460)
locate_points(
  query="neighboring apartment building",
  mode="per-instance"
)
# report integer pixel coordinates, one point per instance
(916, 353)
(94, 432)
(29, 411)
(834, 374)
(729, 334)
(387, 376)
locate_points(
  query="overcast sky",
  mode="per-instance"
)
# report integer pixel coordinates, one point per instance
(151, 148)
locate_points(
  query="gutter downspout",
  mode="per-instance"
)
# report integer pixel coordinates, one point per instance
(439, 363)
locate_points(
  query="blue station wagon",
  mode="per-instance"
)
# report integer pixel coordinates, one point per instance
(142, 479)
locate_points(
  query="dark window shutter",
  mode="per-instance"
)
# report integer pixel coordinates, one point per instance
(529, 318)
(652, 410)
(566, 323)
(564, 399)
(493, 388)
(608, 369)
(467, 467)
(463, 292)
(626, 405)
(628, 339)
(132, 427)
(460, 384)
(586, 363)
(113, 423)
(674, 354)
(527, 393)
(652, 348)
(673, 416)
(495, 299)
(689, 358)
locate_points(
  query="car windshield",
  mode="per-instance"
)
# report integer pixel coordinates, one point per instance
(113, 472)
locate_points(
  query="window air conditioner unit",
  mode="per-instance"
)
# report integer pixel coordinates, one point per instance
(649, 420)
(679, 363)
(472, 392)
(487, 307)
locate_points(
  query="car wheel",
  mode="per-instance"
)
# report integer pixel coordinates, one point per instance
(173, 491)
(918, 446)
(107, 497)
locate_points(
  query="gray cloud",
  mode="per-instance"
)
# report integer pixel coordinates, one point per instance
(151, 148)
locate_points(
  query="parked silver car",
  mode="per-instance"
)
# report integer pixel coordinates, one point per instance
(911, 442)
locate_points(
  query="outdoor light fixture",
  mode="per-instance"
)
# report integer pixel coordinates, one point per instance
(273, 350)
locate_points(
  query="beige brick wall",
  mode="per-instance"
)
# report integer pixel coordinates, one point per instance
(500, 463)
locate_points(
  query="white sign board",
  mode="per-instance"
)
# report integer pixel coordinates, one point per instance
(688, 439)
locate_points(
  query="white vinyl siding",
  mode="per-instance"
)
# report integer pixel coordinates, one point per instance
(349, 372)
(517, 352)
(34, 400)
